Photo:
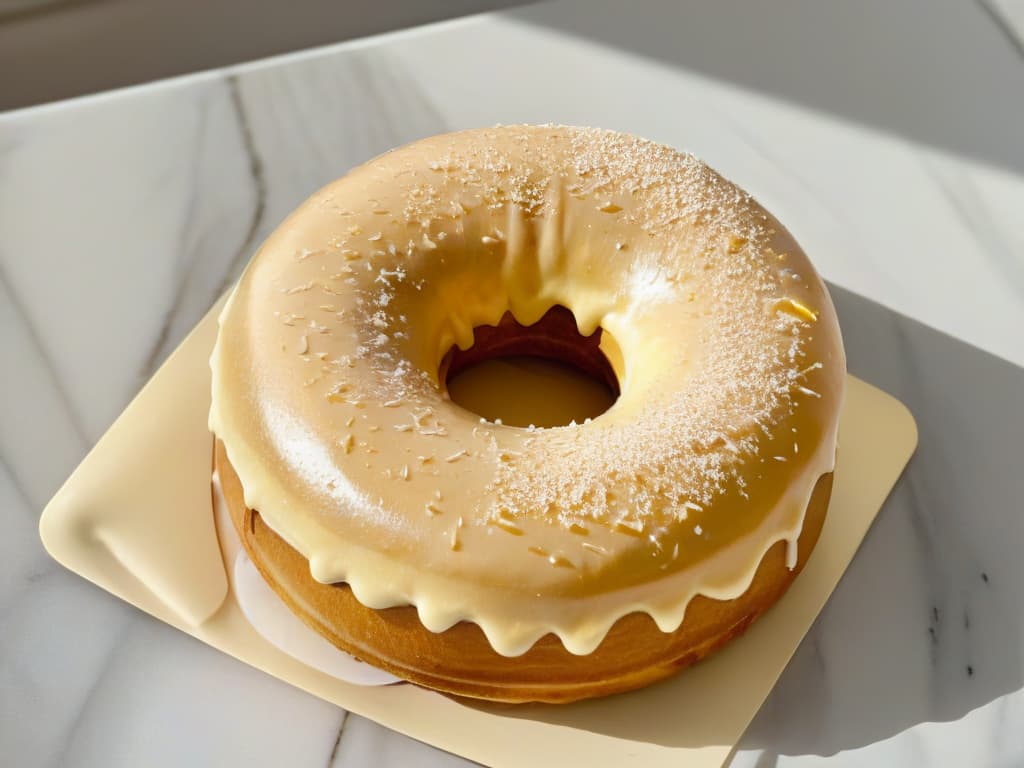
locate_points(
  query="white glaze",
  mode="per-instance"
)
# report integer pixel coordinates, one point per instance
(725, 361)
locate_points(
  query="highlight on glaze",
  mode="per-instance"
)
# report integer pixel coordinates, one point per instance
(329, 396)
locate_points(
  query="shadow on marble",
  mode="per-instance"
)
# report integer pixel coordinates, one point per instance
(926, 624)
(888, 65)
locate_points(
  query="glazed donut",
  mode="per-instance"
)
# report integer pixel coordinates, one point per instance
(519, 563)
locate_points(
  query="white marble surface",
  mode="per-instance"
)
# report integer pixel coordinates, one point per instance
(886, 135)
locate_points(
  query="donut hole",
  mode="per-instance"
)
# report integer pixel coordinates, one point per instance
(546, 374)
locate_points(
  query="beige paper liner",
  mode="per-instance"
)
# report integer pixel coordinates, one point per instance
(136, 519)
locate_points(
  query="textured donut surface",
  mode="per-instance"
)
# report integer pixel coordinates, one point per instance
(329, 398)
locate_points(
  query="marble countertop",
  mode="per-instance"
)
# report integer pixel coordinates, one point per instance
(886, 137)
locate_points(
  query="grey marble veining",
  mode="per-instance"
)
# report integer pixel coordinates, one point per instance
(123, 217)
(229, 165)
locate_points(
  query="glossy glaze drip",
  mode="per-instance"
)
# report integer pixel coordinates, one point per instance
(327, 395)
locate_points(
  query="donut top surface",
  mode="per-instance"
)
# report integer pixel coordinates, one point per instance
(328, 396)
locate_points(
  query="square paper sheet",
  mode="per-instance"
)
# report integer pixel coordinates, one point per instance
(136, 519)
